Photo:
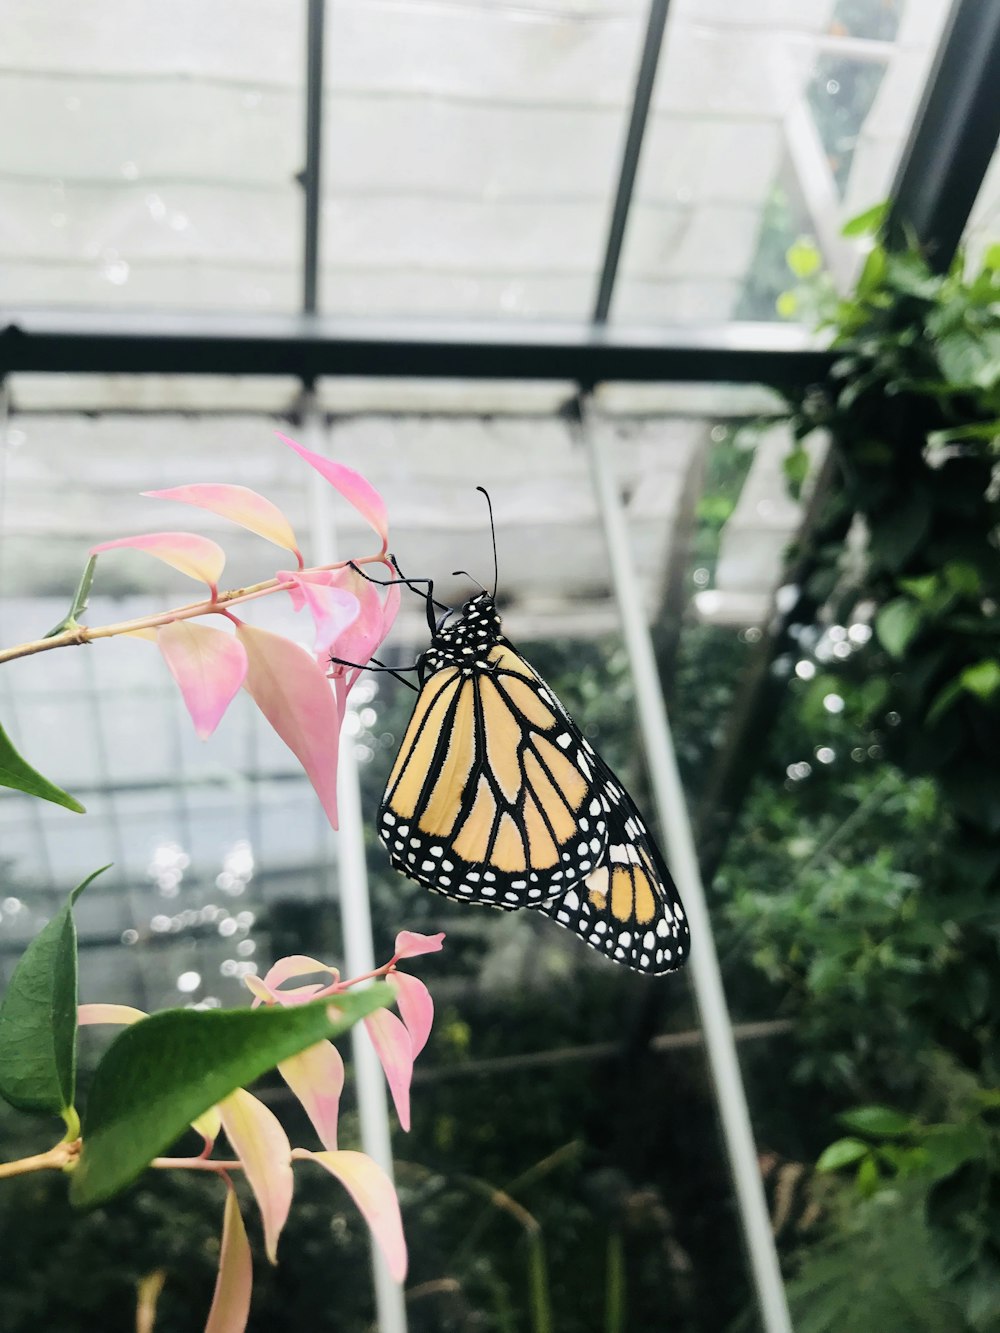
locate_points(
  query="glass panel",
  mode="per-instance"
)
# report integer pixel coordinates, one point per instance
(768, 122)
(471, 154)
(156, 158)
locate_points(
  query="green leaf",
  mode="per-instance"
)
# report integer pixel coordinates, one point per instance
(983, 679)
(898, 531)
(38, 1018)
(963, 578)
(897, 624)
(873, 272)
(803, 258)
(80, 600)
(980, 430)
(17, 773)
(878, 1121)
(866, 223)
(867, 1179)
(787, 305)
(842, 1153)
(161, 1073)
(796, 469)
(923, 588)
(970, 359)
(944, 700)
(949, 1146)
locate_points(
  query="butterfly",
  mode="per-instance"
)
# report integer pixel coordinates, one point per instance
(497, 798)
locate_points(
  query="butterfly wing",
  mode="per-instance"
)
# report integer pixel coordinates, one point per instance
(628, 907)
(494, 797)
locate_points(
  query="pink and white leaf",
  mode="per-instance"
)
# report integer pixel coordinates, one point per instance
(416, 1008)
(240, 505)
(295, 697)
(352, 486)
(198, 557)
(231, 1302)
(121, 1014)
(262, 1146)
(208, 1125)
(208, 665)
(372, 1191)
(316, 1076)
(332, 609)
(395, 1051)
(297, 965)
(265, 994)
(410, 944)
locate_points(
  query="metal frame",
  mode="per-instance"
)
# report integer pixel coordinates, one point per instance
(954, 135)
(311, 177)
(310, 346)
(641, 98)
(706, 978)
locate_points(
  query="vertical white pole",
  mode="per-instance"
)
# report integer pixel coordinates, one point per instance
(355, 911)
(706, 978)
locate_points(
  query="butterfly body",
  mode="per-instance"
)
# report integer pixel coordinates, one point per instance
(496, 798)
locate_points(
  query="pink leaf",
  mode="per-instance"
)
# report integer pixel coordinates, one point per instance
(361, 639)
(208, 1125)
(240, 505)
(371, 1189)
(208, 665)
(231, 1302)
(197, 557)
(409, 943)
(295, 697)
(352, 486)
(332, 609)
(297, 965)
(263, 1148)
(316, 1076)
(87, 1014)
(395, 1050)
(416, 1008)
(265, 994)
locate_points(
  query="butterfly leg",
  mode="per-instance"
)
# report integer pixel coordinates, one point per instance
(414, 584)
(379, 666)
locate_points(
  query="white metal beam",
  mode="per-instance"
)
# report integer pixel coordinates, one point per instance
(706, 978)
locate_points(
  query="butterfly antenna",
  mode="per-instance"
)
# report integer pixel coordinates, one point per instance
(493, 534)
(455, 573)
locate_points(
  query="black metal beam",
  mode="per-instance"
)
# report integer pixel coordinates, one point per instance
(310, 346)
(954, 135)
(641, 98)
(311, 178)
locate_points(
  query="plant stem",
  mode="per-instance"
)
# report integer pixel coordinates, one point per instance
(614, 1300)
(194, 1164)
(81, 634)
(56, 1159)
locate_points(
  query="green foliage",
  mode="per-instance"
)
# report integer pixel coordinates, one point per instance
(870, 899)
(947, 1176)
(38, 1020)
(163, 1072)
(17, 773)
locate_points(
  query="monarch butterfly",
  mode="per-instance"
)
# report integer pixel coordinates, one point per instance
(497, 798)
